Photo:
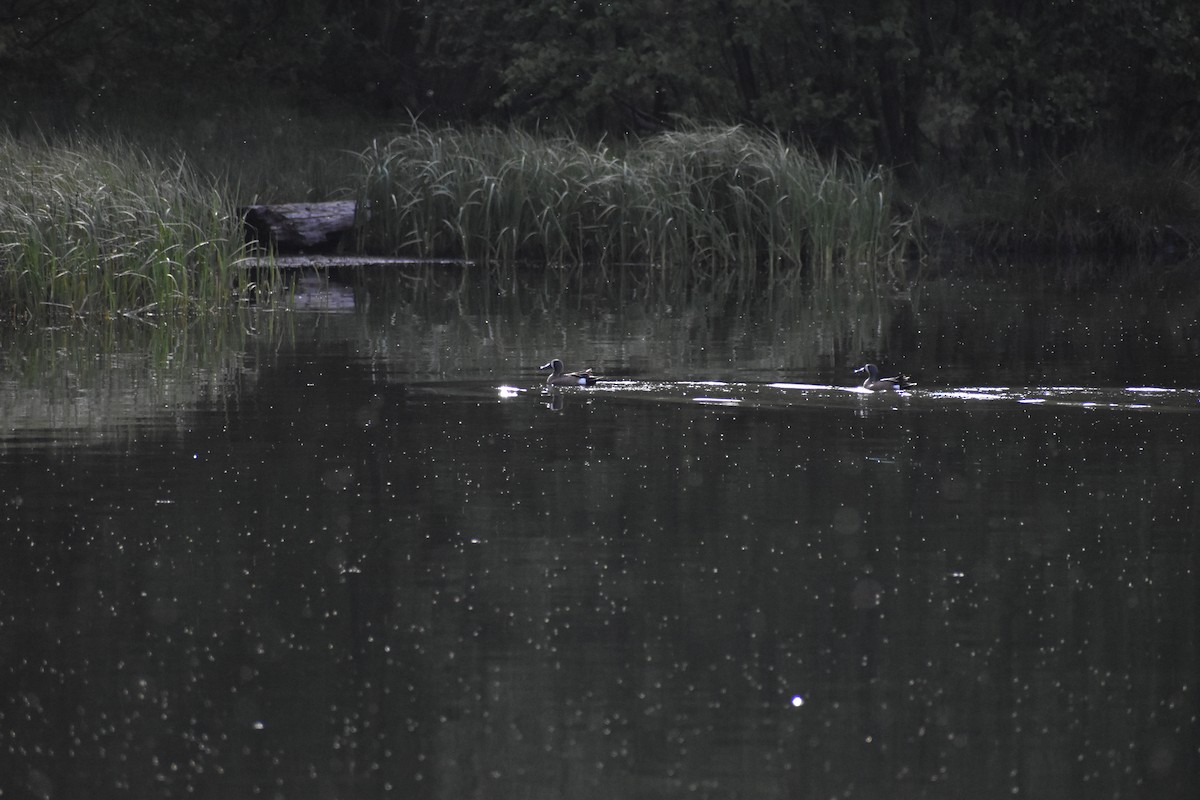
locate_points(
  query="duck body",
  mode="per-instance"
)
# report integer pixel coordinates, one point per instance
(874, 383)
(559, 378)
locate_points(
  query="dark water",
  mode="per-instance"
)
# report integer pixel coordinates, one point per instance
(356, 550)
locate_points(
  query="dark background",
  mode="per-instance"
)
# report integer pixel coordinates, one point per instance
(971, 85)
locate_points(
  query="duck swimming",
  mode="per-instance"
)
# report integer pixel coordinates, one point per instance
(874, 383)
(559, 378)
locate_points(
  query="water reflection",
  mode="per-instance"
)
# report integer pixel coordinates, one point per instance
(79, 381)
(370, 554)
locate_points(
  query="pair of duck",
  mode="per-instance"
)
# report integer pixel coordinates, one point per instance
(872, 382)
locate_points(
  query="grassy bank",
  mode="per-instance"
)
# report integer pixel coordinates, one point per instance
(104, 228)
(718, 206)
(96, 225)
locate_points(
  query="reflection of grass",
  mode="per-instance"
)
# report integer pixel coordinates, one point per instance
(102, 228)
(119, 376)
(720, 206)
(614, 321)
(122, 373)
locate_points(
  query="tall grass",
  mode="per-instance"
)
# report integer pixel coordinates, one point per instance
(724, 207)
(103, 228)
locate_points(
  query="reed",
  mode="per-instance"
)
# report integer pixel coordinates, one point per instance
(724, 207)
(103, 228)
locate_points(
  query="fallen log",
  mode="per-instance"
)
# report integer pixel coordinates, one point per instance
(299, 227)
(333, 262)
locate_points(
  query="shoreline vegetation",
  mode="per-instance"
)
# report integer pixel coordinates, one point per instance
(732, 148)
(100, 226)
(725, 208)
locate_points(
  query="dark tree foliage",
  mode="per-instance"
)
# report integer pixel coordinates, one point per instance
(967, 82)
(70, 57)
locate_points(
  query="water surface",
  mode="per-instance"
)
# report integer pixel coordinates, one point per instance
(358, 549)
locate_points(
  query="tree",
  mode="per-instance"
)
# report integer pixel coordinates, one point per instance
(968, 82)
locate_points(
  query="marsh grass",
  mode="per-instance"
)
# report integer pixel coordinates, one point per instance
(103, 228)
(715, 207)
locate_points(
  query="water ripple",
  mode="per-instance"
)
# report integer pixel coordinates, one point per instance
(785, 394)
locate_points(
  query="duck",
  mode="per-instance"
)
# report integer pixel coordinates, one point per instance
(874, 383)
(559, 378)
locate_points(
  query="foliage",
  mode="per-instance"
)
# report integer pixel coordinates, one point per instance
(102, 228)
(1093, 201)
(721, 206)
(982, 84)
(978, 84)
(272, 154)
(66, 60)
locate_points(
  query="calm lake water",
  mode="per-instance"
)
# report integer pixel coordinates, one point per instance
(357, 550)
